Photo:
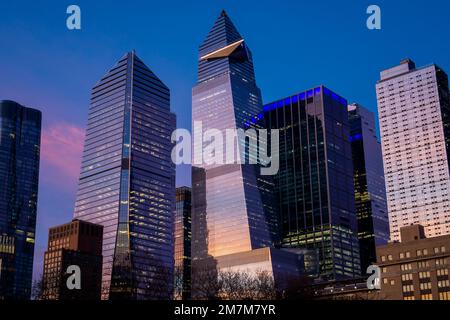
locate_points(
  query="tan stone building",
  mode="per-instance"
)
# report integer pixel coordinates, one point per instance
(417, 268)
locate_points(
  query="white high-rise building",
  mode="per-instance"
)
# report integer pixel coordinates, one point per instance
(414, 112)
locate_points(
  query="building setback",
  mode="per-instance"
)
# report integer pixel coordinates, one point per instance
(414, 113)
(77, 243)
(20, 139)
(314, 187)
(127, 180)
(370, 191)
(417, 268)
(182, 243)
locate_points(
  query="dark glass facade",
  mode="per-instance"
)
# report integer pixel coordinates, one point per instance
(370, 190)
(20, 138)
(127, 180)
(314, 187)
(228, 212)
(182, 243)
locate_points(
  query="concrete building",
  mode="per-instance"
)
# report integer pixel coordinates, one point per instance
(417, 268)
(77, 243)
(414, 113)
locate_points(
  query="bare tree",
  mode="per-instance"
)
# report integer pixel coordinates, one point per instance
(37, 288)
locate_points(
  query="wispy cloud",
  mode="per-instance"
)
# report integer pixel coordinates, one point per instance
(61, 150)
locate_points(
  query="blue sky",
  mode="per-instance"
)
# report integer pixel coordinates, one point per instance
(296, 45)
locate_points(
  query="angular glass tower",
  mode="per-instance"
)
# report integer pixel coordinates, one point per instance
(370, 190)
(314, 187)
(127, 180)
(228, 211)
(20, 140)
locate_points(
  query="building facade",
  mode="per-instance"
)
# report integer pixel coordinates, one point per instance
(77, 243)
(413, 107)
(314, 186)
(20, 139)
(232, 218)
(417, 268)
(127, 180)
(370, 191)
(182, 243)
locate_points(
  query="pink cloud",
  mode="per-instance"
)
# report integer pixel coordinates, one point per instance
(61, 150)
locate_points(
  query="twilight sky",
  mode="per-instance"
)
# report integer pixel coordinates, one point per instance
(296, 45)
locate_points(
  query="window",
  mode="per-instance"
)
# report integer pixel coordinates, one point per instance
(424, 275)
(402, 255)
(424, 264)
(426, 296)
(419, 253)
(385, 281)
(406, 267)
(390, 258)
(440, 262)
(443, 284)
(392, 282)
(425, 252)
(444, 295)
(408, 254)
(442, 249)
(436, 250)
(383, 258)
(409, 298)
(442, 272)
(425, 286)
(408, 288)
(407, 277)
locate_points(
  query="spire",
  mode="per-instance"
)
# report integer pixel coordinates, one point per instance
(222, 34)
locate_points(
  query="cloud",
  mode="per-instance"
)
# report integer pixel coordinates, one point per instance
(61, 151)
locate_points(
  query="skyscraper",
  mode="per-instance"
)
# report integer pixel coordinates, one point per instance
(314, 186)
(127, 180)
(225, 96)
(20, 139)
(370, 191)
(182, 243)
(77, 243)
(232, 222)
(414, 110)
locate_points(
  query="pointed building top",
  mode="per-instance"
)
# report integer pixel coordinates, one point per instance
(222, 34)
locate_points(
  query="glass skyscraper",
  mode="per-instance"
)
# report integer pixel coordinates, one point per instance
(414, 112)
(370, 191)
(20, 139)
(127, 180)
(182, 243)
(228, 212)
(314, 187)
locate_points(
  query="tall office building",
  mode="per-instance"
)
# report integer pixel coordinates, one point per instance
(414, 109)
(127, 180)
(232, 223)
(77, 243)
(224, 97)
(182, 242)
(314, 186)
(370, 191)
(20, 139)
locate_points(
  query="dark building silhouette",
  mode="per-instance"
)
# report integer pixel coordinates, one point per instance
(370, 190)
(77, 243)
(20, 139)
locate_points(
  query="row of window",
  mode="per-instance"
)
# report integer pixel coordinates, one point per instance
(419, 253)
